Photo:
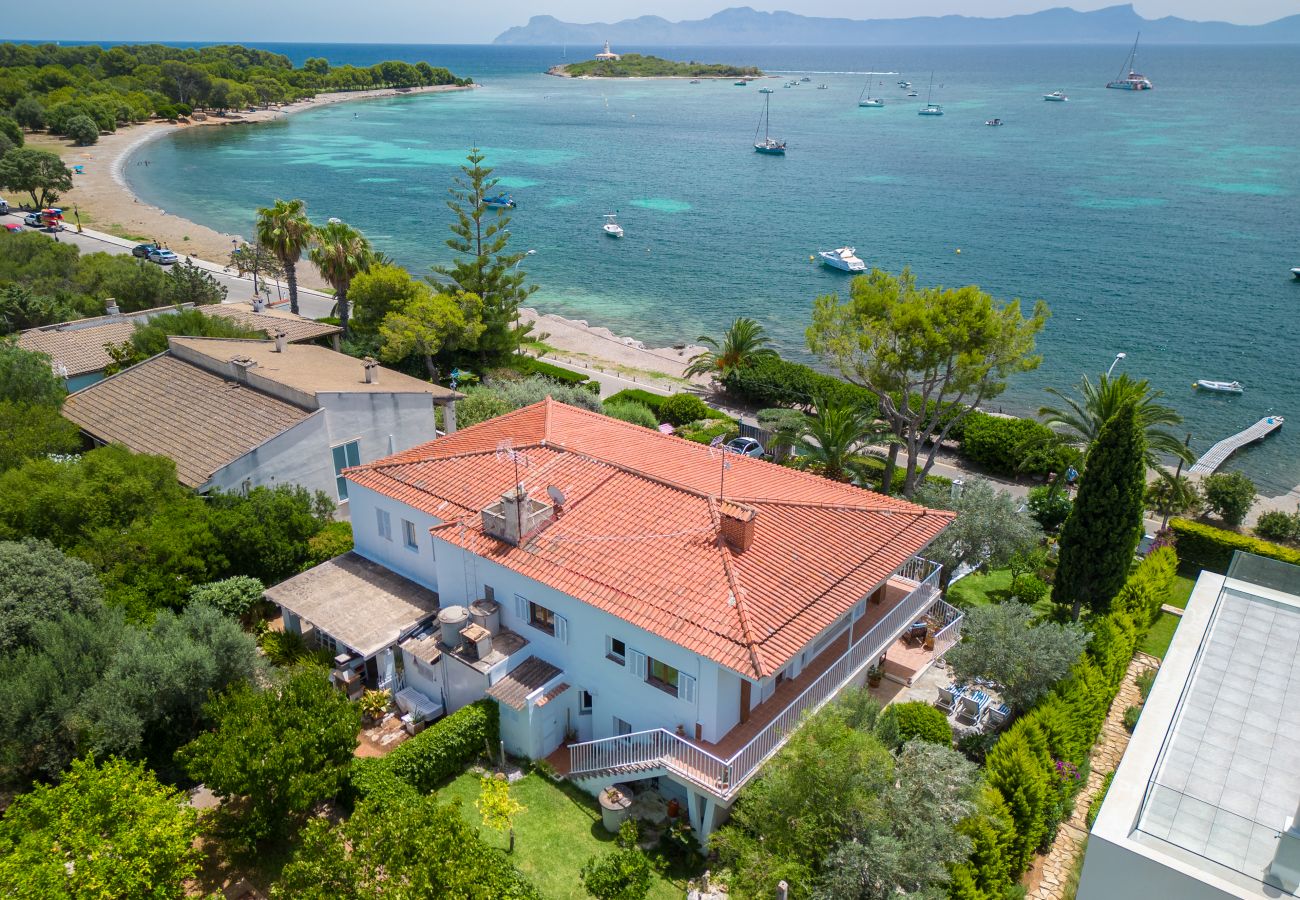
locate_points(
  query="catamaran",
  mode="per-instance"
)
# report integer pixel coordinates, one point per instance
(769, 144)
(611, 226)
(865, 99)
(1132, 81)
(930, 109)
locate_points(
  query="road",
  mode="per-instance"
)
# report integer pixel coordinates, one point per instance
(312, 303)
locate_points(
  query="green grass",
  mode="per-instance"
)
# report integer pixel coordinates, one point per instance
(1160, 635)
(982, 590)
(560, 830)
(1182, 591)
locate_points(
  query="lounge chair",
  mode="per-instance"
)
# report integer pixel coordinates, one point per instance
(973, 705)
(998, 716)
(947, 700)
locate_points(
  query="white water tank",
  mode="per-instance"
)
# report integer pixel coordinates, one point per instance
(486, 613)
(451, 619)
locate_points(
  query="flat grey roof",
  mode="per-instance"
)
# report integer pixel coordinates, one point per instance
(1226, 784)
(357, 602)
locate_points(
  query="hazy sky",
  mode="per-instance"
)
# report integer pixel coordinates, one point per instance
(428, 21)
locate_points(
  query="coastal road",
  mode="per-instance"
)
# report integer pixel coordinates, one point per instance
(312, 303)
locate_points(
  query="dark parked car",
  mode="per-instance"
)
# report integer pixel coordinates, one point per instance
(142, 251)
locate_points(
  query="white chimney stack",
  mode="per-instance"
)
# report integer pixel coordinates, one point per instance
(281, 339)
(372, 370)
(259, 305)
(110, 306)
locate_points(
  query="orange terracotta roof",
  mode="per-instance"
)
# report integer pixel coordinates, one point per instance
(639, 532)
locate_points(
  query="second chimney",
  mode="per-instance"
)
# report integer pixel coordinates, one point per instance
(737, 524)
(110, 307)
(372, 370)
(281, 338)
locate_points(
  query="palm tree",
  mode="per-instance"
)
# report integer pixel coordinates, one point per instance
(1082, 417)
(831, 436)
(286, 232)
(743, 343)
(341, 253)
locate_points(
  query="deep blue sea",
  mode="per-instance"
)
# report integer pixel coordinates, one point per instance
(1160, 224)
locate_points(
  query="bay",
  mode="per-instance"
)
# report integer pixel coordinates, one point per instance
(1160, 224)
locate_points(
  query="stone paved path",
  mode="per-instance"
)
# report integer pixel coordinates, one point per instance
(1104, 759)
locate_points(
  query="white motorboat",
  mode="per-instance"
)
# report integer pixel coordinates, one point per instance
(1221, 387)
(845, 258)
(1296, 273)
(611, 226)
(1056, 97)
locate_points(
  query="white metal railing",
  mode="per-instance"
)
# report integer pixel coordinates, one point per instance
(724, 778)
(950, 633)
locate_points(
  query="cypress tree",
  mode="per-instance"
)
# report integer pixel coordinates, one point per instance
(1101, 534)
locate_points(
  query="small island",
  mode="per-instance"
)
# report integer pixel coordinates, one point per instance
(636, 65)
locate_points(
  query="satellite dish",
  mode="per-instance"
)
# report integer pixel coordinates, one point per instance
(556, 495)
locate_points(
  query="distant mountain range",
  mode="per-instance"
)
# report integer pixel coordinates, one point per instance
(743, 26)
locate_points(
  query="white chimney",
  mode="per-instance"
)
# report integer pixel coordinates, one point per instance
(372, 370)
(281, 338)
(241, 365)
(259, 305)
(110, 307)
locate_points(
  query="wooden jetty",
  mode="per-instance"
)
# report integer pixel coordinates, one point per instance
(1219, 453)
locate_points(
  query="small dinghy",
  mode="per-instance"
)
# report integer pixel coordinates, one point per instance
(1220, 387)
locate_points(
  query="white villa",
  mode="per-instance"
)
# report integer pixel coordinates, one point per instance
(640, 606)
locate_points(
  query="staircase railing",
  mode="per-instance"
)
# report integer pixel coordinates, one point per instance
(725, 777)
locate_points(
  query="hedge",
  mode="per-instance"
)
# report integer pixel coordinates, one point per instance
(531, 365)
(636, 395)
(683, 409)
(773, 381)
(432, 756)
(1202, 546)
(1039, 764)
(920, 720)
(998, 444)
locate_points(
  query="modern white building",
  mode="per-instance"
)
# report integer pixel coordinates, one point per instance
(640, 606)
(1205, 802)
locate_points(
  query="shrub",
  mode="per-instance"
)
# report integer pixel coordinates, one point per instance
(1276, 525)
(284, 648)
(617, 875)
(1131, 715)
(772, 381)
(1003, 445)
(636, 413)
(975, 745)
(1094, 807)
(1050, 508)
(636, 395)
(705, 430)
(82, 130)
(441, 750)
(1148, 588)
(333, 540)
(11, 130)
(683, 408)
(1030, 590)
(918, 720)
(235, 597)
(1230, 495)
(1144, 683)
(1202, 546)
(531, 365)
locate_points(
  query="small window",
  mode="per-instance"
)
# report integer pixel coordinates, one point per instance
(385, 523)
(621, 727)
(409, 537)
(584, 703)
(541, 618)
(615, 650)
(662, 676)
(489, 593)
(345, 456)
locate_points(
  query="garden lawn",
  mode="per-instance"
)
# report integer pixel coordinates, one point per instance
(1160, 634)
(1182, 591)
(557, 833)
(982, 590)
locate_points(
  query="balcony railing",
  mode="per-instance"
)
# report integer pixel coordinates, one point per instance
(723, 778)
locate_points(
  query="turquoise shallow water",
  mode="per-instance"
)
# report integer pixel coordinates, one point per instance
(1160, 224)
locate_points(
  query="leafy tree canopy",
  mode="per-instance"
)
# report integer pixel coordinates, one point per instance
(39, 174)
(28, 378)
(989, 528)
(30, 431)
(38, 583)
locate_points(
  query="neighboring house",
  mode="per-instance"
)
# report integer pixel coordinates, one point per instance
(77, 352)
(1205, 802)
(236, 414)
(667, 610)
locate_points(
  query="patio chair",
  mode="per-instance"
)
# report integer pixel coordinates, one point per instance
(972, 706)
(999, 715)
(916, 633)
(947, 700)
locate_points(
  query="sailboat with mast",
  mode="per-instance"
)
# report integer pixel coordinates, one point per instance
(769, 144)
(1132, 81)
(930, 109)
(866, 100)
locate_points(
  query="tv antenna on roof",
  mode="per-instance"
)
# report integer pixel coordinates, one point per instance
(716, 449)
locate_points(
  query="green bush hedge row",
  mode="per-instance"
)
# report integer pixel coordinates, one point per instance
(531, 365)
(1202, 546)
(433, 755)
(778, 382)
(1039, 764)
(999, 444)
(636, 395)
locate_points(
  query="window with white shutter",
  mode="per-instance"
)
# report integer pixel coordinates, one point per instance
(561, 628)
(636, 659)
(521, 608)
(686, 688)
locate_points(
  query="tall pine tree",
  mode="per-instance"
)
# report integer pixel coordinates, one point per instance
(489, 271)
(1102, 532)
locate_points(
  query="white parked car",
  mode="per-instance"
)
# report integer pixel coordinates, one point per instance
(162, 257)
(745, 446)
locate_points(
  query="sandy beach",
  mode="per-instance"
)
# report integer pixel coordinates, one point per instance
(104, 202)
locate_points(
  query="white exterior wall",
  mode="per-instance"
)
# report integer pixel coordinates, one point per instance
(417, 565)
(299, 456)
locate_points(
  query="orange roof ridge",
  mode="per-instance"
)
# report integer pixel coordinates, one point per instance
(737, 591)
(903, 507)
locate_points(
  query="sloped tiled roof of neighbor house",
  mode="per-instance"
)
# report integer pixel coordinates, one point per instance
(639, 532)
(170, 408)
(79, 345)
